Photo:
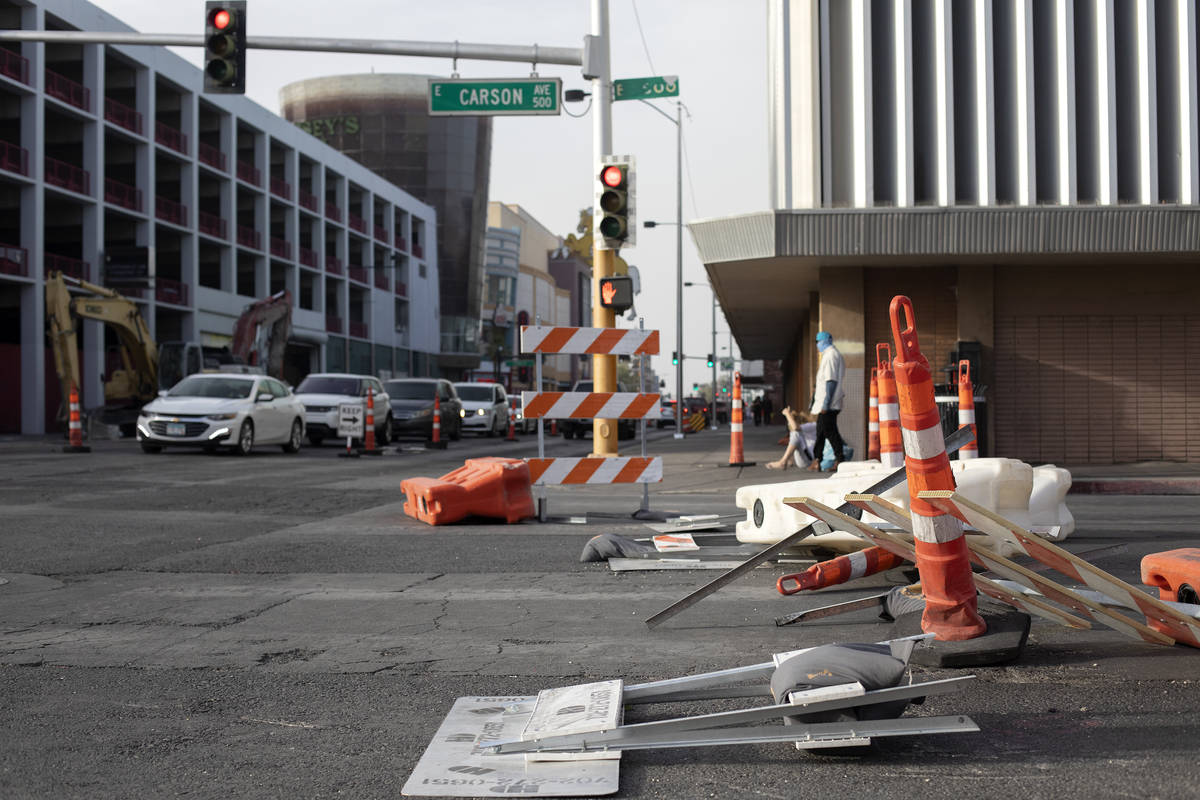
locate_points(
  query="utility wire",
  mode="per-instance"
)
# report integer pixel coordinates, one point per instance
(642, 33)
(687, 165)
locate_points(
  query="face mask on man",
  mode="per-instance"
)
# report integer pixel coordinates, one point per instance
(824, 345)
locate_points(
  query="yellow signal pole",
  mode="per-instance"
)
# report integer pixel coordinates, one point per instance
(604, 368)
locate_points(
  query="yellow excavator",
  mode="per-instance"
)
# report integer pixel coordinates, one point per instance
(127, 389)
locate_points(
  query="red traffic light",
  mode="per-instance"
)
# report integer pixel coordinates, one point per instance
(612, 176)
(221, 19)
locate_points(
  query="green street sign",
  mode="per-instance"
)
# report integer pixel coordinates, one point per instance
(646, 88)
(494, 97)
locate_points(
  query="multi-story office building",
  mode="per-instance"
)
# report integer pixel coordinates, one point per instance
(105, 146)
(383, 122)
(1026, 171)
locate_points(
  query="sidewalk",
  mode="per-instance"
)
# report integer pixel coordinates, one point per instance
(760, 445)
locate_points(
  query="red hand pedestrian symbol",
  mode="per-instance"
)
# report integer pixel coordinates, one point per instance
(608, 291)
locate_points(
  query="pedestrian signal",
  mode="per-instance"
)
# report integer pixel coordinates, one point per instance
(616, 293)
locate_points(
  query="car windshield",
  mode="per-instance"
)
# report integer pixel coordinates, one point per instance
(474, 393)
(206, 386)
(319, 384)
(409, 390)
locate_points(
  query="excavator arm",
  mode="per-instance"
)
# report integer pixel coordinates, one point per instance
(261, 333)
(137, 383)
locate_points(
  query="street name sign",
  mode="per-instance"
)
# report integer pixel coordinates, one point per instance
(646, 88)
(450, 97)
(350, 419)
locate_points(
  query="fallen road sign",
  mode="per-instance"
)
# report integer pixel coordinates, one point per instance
(456, 762)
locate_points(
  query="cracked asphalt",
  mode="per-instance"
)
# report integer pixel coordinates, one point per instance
(275, 626)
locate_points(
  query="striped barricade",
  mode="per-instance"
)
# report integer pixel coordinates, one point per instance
(588, 405)
(588, 341)
(595, 470)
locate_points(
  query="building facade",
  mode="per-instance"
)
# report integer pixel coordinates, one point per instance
(537, 295)
(1026, 172)
(107, 146)
(382, 122)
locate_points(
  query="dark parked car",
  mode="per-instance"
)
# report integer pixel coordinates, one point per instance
(578, 428)
(412, 407)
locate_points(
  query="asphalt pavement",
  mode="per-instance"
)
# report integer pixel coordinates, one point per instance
(269, 626)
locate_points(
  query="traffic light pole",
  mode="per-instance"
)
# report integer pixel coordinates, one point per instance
(679, 268)
(604, 367)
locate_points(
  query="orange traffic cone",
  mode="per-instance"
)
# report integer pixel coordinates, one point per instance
(737, 455)
(554, 427)
(435, 439)
(75, 426)
(512, 425)
(369, 448)
(839, 570)
(891, 440)
(966, 410)
(873, 418)
(942, 558)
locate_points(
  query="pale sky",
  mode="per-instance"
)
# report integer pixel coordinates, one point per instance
(716, 47)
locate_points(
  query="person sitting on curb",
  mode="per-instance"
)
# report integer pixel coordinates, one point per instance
(795, 440)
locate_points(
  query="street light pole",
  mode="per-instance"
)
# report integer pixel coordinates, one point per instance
(679, 268)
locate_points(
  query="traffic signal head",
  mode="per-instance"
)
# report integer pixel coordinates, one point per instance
(616, 293)
(674, 358)
(225, 46)
(710, 360)
(613, 220)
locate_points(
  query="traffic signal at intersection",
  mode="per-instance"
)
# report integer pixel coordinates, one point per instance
(674, 358)
(710, 360)
(225, 46)
(614, 205)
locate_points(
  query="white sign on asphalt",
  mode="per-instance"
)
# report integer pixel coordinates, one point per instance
(455, 764)
(350, 419)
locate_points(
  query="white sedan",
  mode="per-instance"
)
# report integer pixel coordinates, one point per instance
(218, 410)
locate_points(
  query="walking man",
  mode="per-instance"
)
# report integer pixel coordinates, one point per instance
(827, 400)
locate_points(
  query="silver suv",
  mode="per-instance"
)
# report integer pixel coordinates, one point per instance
(323, 392)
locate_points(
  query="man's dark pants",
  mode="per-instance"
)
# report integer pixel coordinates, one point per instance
(827, 429)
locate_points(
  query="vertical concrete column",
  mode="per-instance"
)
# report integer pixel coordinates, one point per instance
(318, 240)
(262, 215)
(92, 218)
(1025, 132)
(861, 67)
(943, 70)
(902, 71)
(227, 142)
(1064, 94)
(1184, 70)
(985, 103)
(189, 191)
(147, 181)
(33, 238)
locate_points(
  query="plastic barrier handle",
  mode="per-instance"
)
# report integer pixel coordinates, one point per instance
(909, 349)
(964, 372)
(883, 360)
(793, 578)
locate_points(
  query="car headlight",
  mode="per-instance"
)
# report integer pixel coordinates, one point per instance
(221, 416)
(462, 412)
(480, 412)
(424, 412)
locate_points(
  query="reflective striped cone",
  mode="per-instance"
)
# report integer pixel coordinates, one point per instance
(369, 447)
(891, 440)
(737, 454)
(873, 418)
(75, 425)
(435, 437)
(942, 557)
(966, 410)
(839, 570)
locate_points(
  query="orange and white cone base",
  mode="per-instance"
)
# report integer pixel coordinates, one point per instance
(891, 441)
(75, 426)
(839, 570)
(737, 452)
(873, 418)
(942, 558)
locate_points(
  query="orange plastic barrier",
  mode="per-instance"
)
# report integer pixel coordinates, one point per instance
(369, 448)
(75, 426)
(873, 418)
(483, 487)
(966, 410)
(737, 453)
(891, 440)
(1176, 573)
(839, 570)
(942, 558)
